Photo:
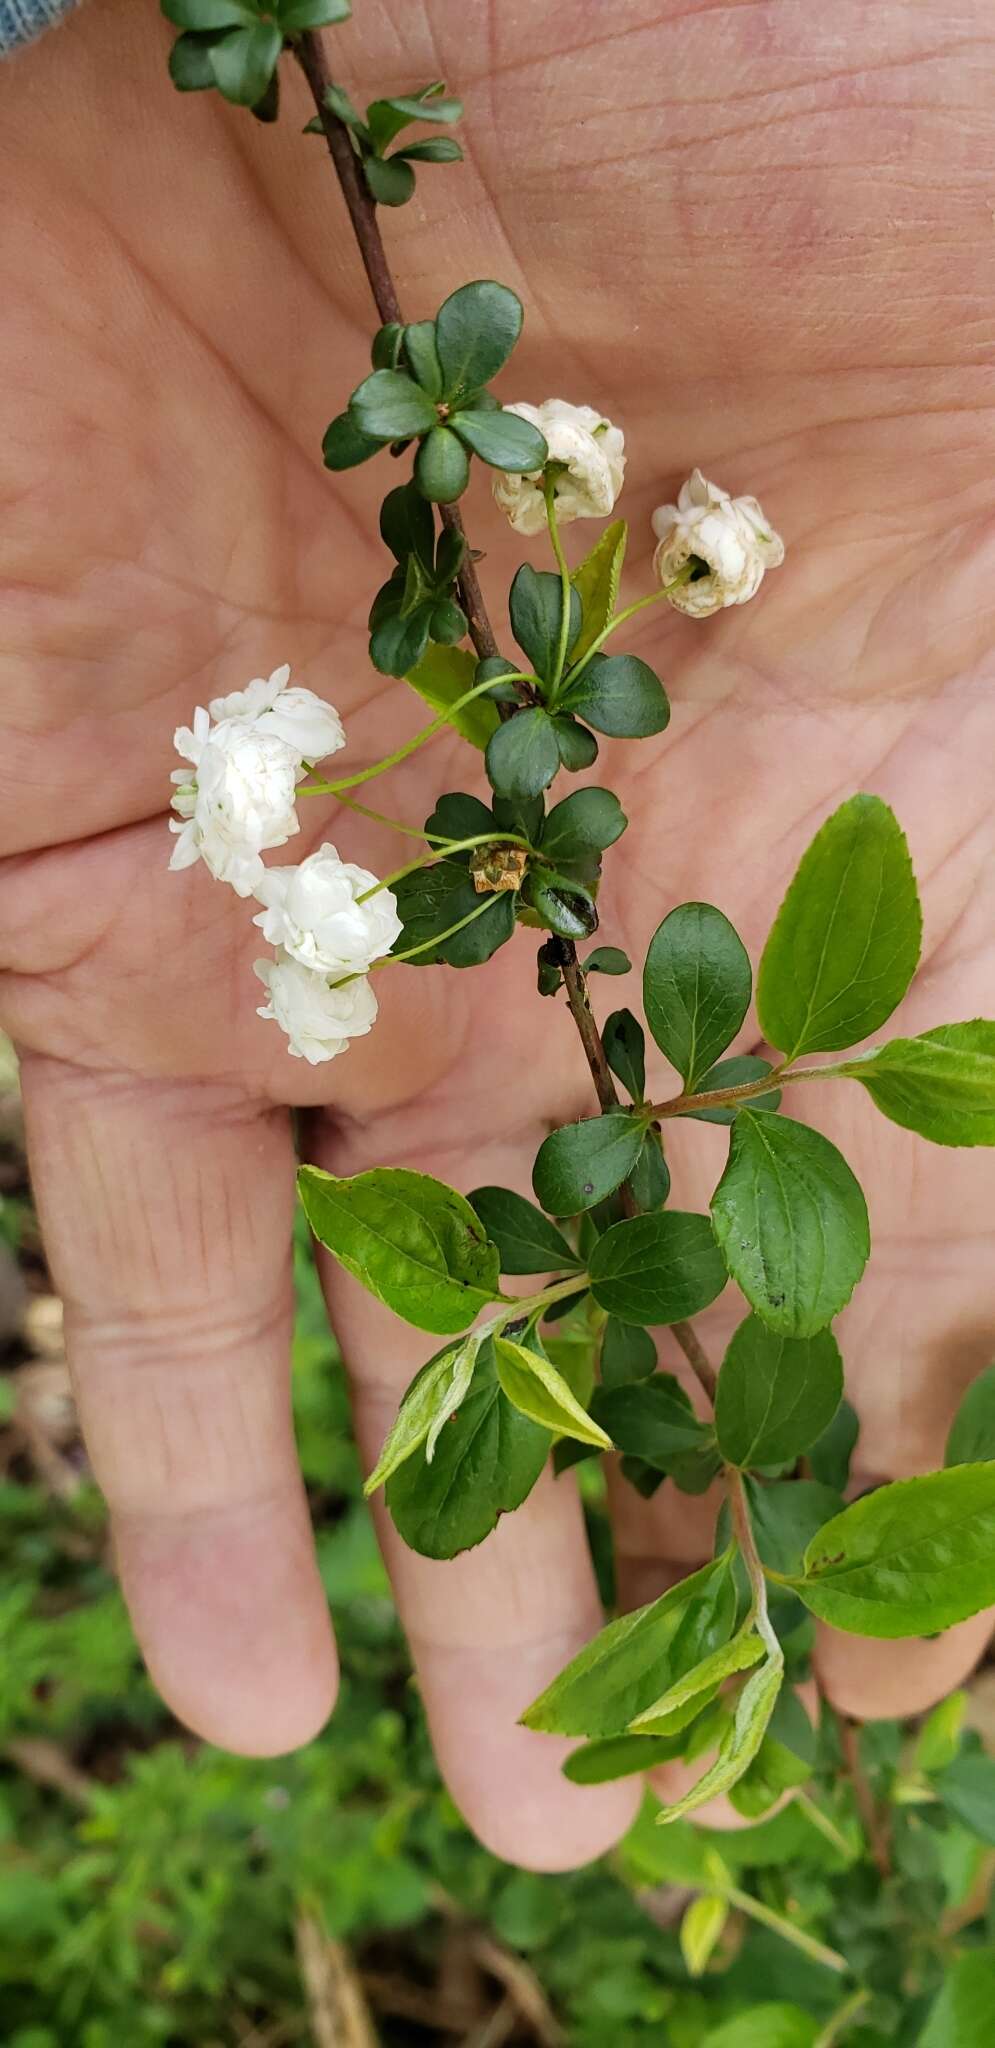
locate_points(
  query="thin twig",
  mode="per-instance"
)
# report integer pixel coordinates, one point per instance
(873, 1822)
(338, 2013)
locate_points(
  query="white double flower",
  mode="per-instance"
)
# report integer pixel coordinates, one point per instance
(594, 453)
(729, 535)
(318, 1017)
(316, 912)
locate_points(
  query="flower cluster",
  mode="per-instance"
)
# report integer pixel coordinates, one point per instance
(329, 920)
(728, 537)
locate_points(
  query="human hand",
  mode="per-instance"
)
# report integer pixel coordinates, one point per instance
(755, 273)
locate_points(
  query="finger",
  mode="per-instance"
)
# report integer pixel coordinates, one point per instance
(490, 1629)
(167, 1214)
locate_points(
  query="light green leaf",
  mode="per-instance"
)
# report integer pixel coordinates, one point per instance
(785, 1759)
(739, 1745)
(634, 1659)
(415, 1243)
(701, 1931)
(537, 1390)
(966, 1787)
(908, 1560)
(964, 2013)
(941, 1084)
(792, 1222)
(596, 580)
(445, 674)
(527, 1241)
(696, 988)
(657, 1269)
(845, 942)
(434, 1394)
(766, 2026)
(579, 1165)
(972, 1432)
(607, 960)
(742, 1651)
(487, 1461)
(776, 1394)
(939, 1737)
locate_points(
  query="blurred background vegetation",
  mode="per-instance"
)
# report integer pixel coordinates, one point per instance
(156, 1891)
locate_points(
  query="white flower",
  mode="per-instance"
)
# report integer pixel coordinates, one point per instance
(594, 452)
(305, 722)
(730, 534)
(315, 913)
(319, 1019)
(238, 801)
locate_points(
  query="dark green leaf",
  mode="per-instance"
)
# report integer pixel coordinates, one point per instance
(190, 66)
(386, 354)
(295, 15)
(694, 1472)
(443, 676)
(587, 821)
(243, 62)
(391, 181)
(536, 606)
(522, 756)
(632, 1661)
(422, 354)
(408, 527)
(657, 1269)
(391, 406)
(387, 117)
(486, 1463)
(829, 1458)
(607, 960)
(502, 439)
(578, 747)
(732, 1073)
(533, 1386)
(576, 1167)
(438, 149)
(845, 942)
(210, 14)
(338, 103)
(964, 2013)
(645, 1478)
(448, 623)
(627, 1354)
(398, 643)
(620, 1756)
(415, 1243)
(434, 899)
(696, 988)
(792, 1222)
(457, 816)
(967, 1789)
(941, 1084)
(786, 1516)
(651, 1419)
(442, 468)
(776, 1394)
(619, 695)
(596, 581)
(268, 108)
(972, 1432)
(344, 445)
(527, 1241)
(476, 329)
(910, 1558)
(625, 1048)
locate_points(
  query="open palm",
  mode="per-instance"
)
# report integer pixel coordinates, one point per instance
(756, 252)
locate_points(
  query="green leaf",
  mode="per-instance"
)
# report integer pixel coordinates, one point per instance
(775, 2025)
(739, 1745)
(486, 1463)
(657, 1269)
(776, 1394)
(434, 899)
(338, 103)
(502, 439)
(909, 1559)
(387, 117)
(438, 149)
(741, 1652)
(244, 61)
(391, 181)
(964, 2013)
(476, 328)
(407, 527)
(562, 905)
(578, 1165)
(607, 960)
(619, 695)
(423, 356)
(651, 1419)
(536, 606)
(941, 1084)
(385, 354)
(627, 1353)
(434, 1394)
(397, 643)
(625, 1050)
(442, 676)
(967, 1789)
(527, 1241)
(190, 66)
(522, 756)
(537, 1390)
(345, 446)
(585, 822)
(784, 1760)
(829, 1457)
(701, 1930)
(413, 1242)
(578, 747)
(596, 580)
(634, 1659)
(650, 1177)
(458, 816)
(845, 942)
(696, 988)
(619, 1756)
(295, 15)
(972, 1432)
(391, 406)
(209, 14)
(792, 1222)
(939, 1737)
(731, 1073)
(787, 1516)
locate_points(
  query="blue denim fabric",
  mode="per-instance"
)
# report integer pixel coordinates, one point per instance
(22, 19)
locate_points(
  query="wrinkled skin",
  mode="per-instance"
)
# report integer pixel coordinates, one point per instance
(761, 239)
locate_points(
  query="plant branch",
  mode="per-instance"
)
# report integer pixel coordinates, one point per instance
(743, 1091)
(874, 1825)
(779, 1924)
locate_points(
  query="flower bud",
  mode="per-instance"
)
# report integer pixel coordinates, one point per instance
(315, 913)
(318, 1017)
(593, 452)
(730, 536)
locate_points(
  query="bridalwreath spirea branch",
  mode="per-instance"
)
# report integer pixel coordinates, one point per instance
(570, 1370)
